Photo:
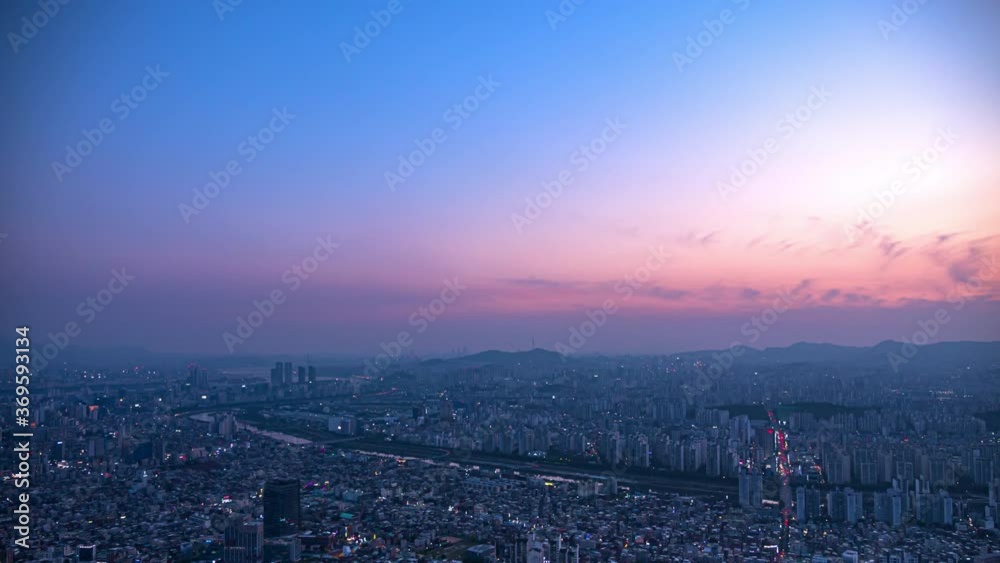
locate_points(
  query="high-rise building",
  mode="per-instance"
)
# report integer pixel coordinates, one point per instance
(197, 377)
(836, 505)
(982, 470)
(301, 379)
(282, 506)
(277, 375)
(844, 506)
(855, 505)
(751, 489)
(311, 378)
(807, 504)
(287, 371)
(889, 507)
(800, 504)
(639, 450)
(613, 448)
(868, 473)
(837, 466)
(244, 541)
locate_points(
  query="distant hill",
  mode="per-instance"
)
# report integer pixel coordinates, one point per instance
(928, 357)
(535, 357)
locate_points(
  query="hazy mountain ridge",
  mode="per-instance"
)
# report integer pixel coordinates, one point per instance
(930, 355)
(801, 352)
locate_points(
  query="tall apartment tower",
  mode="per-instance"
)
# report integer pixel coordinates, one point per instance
(244, 541)
(282, 506)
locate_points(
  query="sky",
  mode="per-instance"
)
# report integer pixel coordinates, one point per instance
(495, 174)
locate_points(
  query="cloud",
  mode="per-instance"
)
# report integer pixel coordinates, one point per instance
(706, 239)
(891, 249)
(667, 293)
(537, 283)
(785, 245)
(860, 298)
(968, 264)
(803, 284)
(961, 271)
(941, 239)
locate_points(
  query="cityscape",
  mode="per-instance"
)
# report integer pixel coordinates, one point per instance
(508, 281)
(809, 452)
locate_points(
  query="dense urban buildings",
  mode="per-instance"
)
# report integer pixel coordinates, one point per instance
(520, 457)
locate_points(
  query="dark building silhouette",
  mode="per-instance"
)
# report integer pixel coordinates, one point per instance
(282, 506)
(244, 541)
(197, 377)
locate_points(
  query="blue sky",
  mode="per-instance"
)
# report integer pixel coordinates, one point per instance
(655, 185)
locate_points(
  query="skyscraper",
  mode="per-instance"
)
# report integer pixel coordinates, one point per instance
(282, 506)
(800, 504)
(751, 487)
(197, 377)
(244, 541)
(807, 504)
(855, 505)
